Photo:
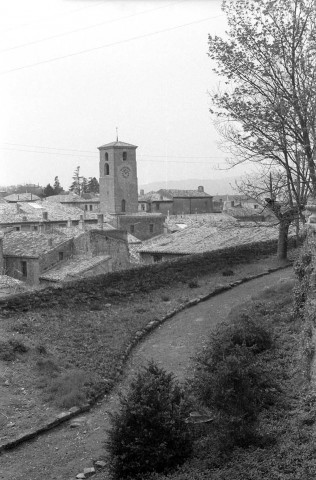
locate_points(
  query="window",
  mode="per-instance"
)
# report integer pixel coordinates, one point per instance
(255, 206)
(124, 156)
(106, 156)
(17, 229)
(106, 169)
(86, 207)
(132, 228)
(123, 205)
(35, 228)
(157, 257)
(61, 256)
(90, 206)
(151, 227)
(143, 206)
(24, 268)
(157, 206)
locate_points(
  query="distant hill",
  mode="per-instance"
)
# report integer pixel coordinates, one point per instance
(213, 186)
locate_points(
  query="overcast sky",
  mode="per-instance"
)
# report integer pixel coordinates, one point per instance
(72, 71)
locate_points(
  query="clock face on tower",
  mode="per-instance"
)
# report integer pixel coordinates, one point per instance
(125, 172)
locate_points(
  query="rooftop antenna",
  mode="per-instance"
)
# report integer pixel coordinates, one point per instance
(116, 134)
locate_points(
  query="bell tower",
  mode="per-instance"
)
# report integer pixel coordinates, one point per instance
(118, 178)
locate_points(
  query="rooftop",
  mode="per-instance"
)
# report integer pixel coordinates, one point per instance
(117, 144)
(22, 197)
(33, 212)
(173, 193)
(72, 198)
(35, 244)
(73, 267)
(209, 237)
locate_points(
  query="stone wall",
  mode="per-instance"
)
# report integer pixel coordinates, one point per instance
(192, 205)
(143, 278)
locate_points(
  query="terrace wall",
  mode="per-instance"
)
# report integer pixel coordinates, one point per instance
(143, 278)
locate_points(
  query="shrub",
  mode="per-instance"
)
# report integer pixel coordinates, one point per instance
(230, 379)
(9, 349)
(149, 433)
(193, 283)
(72, 388)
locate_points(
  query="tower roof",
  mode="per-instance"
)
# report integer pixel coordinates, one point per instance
(117, 144)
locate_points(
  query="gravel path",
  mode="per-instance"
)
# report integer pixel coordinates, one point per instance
(66, 451)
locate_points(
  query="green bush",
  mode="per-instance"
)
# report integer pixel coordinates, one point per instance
(149, 433)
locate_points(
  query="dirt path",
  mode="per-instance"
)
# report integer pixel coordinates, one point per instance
(64, 452)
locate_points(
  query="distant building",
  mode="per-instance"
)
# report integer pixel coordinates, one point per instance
(176, 202)
(42, 216)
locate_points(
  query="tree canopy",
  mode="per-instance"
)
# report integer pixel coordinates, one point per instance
(266, 113)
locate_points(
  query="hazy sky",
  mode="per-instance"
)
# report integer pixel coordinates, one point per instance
(72, 71)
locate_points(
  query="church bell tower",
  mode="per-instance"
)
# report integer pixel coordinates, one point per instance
(118, 178)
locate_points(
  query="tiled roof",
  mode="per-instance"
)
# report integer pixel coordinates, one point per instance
(33, 212)
(22, 197)
(117, 144)
(154, 197)
(171, 193)
(71, 198)
(208, 237)
(34, 244)
(73, 267)
(9, 282)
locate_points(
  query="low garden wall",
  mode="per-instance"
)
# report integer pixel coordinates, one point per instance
(143, 278)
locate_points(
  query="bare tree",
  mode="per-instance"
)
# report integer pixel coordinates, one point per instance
(266, 114)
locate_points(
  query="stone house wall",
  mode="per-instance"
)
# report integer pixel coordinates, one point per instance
(14, 268)
(113, 243)
(142, 227)
(192, 205)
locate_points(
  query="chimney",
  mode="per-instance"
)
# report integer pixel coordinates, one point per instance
(100, 220)
(18, 208)
(1, 254)
(142, 191)
(81, 222)
(201, 188)
(45, 215)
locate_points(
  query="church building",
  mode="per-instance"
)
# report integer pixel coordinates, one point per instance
(119, 192)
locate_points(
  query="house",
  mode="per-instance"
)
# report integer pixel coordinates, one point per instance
(42, 216)
(175, 202)
(141, 225)
(87, 202)
(37, 258)
(206, 237)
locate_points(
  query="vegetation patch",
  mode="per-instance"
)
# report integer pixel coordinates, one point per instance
(149, 433)
(251, 382)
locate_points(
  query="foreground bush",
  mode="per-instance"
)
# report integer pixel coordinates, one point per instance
(149, 433)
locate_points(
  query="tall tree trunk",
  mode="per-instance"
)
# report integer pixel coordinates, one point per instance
(283, 239)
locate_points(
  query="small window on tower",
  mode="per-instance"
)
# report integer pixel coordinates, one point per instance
(123, 205)
(106, 156)
(124, 156)
(106, 169)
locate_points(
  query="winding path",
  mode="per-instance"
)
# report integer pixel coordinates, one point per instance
(64, 452)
